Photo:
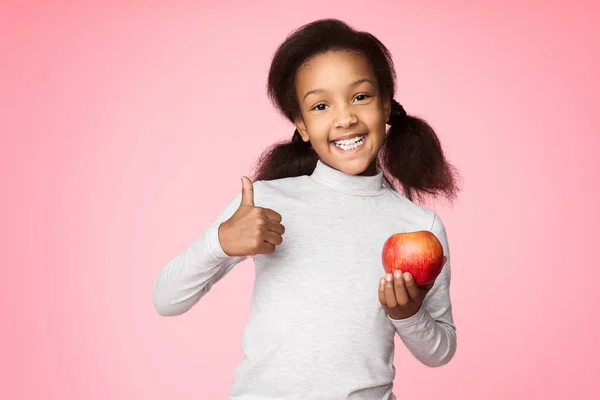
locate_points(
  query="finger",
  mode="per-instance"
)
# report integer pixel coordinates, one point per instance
(402, 296)
(247, 192)
(272, 215)
(445, 260)
(273, 238)
(381, 292)
(411, 287)
(266, 248)
(427, 288)
(275, 227)
(390, 294)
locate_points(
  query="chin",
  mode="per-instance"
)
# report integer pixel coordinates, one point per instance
(353, 167)
(356, 161)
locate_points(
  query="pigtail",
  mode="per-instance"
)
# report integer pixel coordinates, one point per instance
(286, 159)
(412, 157)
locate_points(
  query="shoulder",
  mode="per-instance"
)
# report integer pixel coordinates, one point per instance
(284, 187)
(417, 215)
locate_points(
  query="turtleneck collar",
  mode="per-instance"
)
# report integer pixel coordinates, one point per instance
(349, 184)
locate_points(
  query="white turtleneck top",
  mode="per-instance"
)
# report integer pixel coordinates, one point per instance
(316, 329)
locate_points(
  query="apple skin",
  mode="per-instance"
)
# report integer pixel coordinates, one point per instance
(420, 253)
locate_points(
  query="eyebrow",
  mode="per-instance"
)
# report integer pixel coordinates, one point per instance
(355, 83)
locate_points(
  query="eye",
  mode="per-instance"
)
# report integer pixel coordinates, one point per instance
(320, 107)
(362, 97)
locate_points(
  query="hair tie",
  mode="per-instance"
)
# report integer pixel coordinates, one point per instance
(397, 113)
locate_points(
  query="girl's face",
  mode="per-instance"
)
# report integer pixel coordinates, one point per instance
(343, 114)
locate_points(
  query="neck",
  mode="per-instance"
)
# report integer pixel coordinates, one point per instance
(367, 183)
(371, 169)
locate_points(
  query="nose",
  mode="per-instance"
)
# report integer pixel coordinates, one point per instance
(345, 118)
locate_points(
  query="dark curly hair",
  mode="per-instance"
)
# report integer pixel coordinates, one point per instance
(411, 158)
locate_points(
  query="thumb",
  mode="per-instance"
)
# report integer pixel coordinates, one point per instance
(247, 192)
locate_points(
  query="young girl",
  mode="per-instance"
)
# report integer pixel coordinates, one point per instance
(323, 317)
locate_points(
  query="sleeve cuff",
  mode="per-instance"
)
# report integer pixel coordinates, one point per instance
(418, 319)
(214, 244)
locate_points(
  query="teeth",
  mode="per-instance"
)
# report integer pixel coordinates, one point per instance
(350, 144)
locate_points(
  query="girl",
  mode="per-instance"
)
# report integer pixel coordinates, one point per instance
(323, 319)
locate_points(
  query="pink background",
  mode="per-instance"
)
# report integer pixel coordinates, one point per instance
(125, 129)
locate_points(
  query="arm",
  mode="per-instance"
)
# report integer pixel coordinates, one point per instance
(190, 275)
(430, 334)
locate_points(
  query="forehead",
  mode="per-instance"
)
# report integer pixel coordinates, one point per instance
(332, 69)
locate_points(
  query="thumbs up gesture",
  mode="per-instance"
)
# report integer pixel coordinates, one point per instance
(251, 230)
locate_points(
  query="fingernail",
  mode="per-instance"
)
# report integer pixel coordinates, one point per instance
(407, 276)
(388, 277)
(397, 274)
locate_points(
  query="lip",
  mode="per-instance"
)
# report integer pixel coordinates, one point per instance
(348, 136)
(347, 153)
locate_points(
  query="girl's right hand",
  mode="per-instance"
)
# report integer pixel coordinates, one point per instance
(251, 230)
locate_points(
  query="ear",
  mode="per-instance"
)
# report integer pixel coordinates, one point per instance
(387, 107)
(301, 126)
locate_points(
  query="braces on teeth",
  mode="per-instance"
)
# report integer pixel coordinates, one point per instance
(350, 143)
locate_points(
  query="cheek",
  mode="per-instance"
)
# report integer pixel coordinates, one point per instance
(318, 130)
(376, 123)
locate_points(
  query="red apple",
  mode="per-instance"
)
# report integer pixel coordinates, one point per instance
(419, 253)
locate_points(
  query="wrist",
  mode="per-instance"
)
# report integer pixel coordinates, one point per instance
(399, 315)
(223, 236)
(415, 319)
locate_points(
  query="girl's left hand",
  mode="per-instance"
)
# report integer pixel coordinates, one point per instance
(400, 296)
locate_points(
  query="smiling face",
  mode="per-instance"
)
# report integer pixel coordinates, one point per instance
(343, 114)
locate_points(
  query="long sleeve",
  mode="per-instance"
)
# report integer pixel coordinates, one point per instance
(191, 274)
(430, 334)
